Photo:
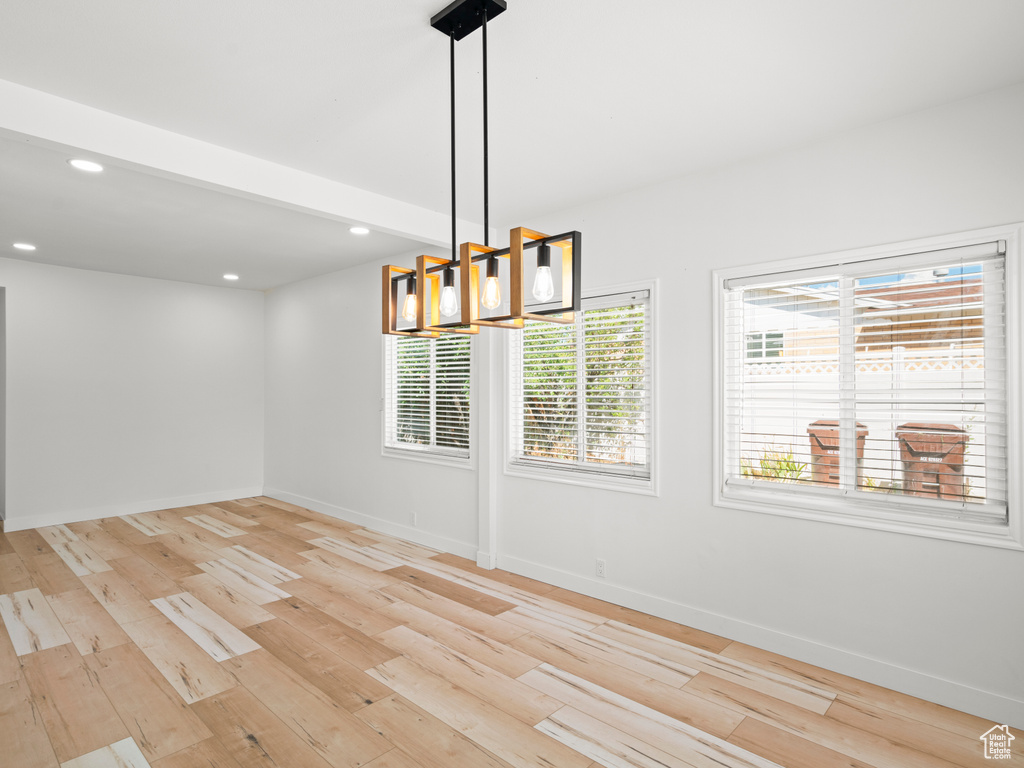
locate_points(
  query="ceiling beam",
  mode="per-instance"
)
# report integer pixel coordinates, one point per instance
(47, 120)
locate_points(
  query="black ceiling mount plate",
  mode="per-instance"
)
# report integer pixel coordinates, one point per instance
(465, 17)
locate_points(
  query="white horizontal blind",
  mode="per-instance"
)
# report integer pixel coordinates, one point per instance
(888, 387)
(581, 393)
(427, 395)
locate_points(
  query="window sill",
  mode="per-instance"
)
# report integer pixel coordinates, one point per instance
(427, 457)
(840, 512)
(645, 487)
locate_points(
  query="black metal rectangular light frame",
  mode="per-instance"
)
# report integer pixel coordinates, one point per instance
(465, 16)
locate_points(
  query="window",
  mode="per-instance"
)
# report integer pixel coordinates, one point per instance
(870, 389)
(764, 344)
(427, 395)
(581, 394)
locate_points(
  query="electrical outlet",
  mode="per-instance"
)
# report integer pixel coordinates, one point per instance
(600, 569)
(414, 523)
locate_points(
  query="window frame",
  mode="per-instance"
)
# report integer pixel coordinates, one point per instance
(427, 454)
(610, 479)
(831, 508)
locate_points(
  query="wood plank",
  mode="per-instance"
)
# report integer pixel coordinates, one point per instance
(892, 701)
(253, 735)
(244, 582)
(279, 548)
(80, 557)
(633, 618)
(395, 758)
(28, 543)
(5, 545)
(407, 547)
(147, 524)
(355, 647)
(471, 619)
(810, 696)
(213, 525)
(226, 602)
(86, 622)
(341, 533)
(495, 655)
(344, 683)
(120, 754)
(57, 534)
(819, 729)
(284, 506)
(209, 631)
(166, 560)
(348, 611)
(102, 543)
(481, 723)
(186, 548)
(324, 725)
(606, 745)
(923, 737)
(51, 574)
(692, 746)
(25, 743)
(221, 510)
(786, 749)
(208, 754)
(423, 739)
(640, 661)
(120, 599)
(10, 667)
(146, 579)
(157, 718)
(366, 556)
(256, 563)
(30, 622)
(331, 579)
(189, 669)
(371, 578)
(122, 531)
(469, 597)
(14, 576)
(669, 700)
(77, 715)
(523, 702)
(495, 574)
(193, 533)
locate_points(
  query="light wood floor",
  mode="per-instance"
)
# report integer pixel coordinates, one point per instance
(257, 633)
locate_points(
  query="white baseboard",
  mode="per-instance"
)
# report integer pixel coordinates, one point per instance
(986, 704)
(12, 524)
(415, 535)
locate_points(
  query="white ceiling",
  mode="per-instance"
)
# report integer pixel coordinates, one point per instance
(588, 97)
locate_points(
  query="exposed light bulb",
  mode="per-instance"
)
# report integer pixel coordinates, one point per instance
(449, 301)
(543, 285)
(409, 307)
(492, 289)
(449, 304)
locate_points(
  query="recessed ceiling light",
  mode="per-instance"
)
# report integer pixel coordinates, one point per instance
(359, 230)
(85, 165)
(230, 277)
(24, 246)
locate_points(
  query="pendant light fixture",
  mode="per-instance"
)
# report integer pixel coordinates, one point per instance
(431, 296)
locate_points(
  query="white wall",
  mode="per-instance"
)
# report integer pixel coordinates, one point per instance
(933, 618)
(939, 619)
(126, 393)
(324, 349)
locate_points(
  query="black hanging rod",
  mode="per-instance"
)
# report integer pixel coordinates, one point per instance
(465, 16)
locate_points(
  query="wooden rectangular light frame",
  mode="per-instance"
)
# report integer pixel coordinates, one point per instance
(390, 277)
(470, 283)
(432, 321)
(570, 245)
